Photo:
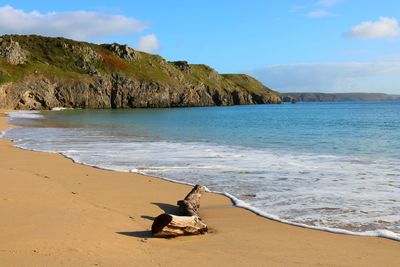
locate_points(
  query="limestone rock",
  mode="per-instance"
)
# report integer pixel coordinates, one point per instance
(182, 65)
(123, 51)
(87, 57)
(12, 52)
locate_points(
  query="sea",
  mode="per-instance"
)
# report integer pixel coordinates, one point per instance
(332, 166)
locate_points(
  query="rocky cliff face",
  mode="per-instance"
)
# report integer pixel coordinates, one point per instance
(43, 73)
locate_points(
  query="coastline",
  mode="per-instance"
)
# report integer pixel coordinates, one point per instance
(62, 213)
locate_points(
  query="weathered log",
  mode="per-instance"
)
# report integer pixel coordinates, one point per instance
(189, 223)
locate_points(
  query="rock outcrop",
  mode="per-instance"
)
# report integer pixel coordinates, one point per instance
(123, 51)
(12, 52)
(289, 99)
(64, 73)
(182, 65)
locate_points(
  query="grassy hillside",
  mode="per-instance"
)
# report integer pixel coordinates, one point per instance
(39, 72)
(60, 57)
(248, 82)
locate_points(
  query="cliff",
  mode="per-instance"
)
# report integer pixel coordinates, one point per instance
(42, 73)
(323, 97)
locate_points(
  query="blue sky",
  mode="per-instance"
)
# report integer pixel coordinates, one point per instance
(302, 45)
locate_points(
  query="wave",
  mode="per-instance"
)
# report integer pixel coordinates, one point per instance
(376, 233)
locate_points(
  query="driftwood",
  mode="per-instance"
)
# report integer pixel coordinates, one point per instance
(188, 223)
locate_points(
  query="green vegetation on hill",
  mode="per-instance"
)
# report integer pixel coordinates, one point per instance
(248, 82)
(64, 57)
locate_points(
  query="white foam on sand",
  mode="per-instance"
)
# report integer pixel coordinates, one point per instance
(25, 115)
(60, 108)
(376, 233)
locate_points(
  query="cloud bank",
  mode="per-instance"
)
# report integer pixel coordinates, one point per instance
(81, 25)
(381, 29)
(381, 76)
(148, 43)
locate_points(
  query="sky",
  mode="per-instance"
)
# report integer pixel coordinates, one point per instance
(298, 45)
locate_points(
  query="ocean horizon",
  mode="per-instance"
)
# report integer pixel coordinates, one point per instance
(333, 166)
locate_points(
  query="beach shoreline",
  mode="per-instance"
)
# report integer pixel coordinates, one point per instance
(62, 213)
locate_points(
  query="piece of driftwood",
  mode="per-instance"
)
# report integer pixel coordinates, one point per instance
(188, 223)
(190, 205)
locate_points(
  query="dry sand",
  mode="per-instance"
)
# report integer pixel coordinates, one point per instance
(54, 212)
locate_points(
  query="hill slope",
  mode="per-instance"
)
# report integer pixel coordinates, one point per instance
(42, 73)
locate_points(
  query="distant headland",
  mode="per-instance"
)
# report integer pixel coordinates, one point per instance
(333, 97)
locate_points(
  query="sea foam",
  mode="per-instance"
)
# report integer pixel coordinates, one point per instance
(60, 109)
(25, 115)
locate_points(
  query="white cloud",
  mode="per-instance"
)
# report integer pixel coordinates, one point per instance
(82, 25)
(318, 13)
(381, 76)
(380, 29)
(148, 43)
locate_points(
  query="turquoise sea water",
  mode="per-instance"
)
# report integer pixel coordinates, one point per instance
(332, 166)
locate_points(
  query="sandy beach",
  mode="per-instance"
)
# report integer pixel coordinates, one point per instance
(57, 213)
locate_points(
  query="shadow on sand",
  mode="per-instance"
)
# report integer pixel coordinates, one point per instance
(139, 234)
(167, 208)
